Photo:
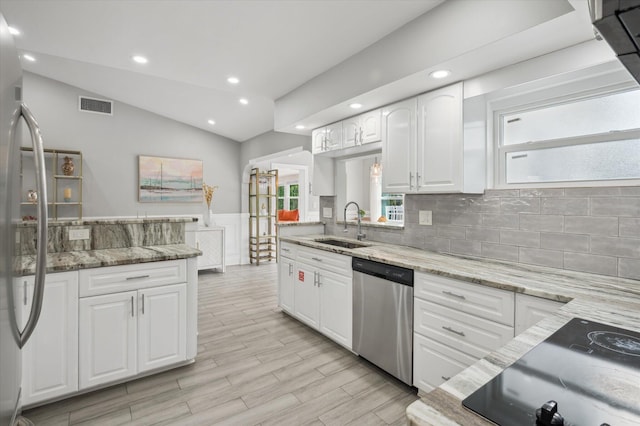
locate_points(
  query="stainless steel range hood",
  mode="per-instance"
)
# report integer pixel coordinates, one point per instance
(618, 22)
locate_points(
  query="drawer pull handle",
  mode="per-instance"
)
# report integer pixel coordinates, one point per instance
(459, 333)
(139, 277)
(284, 249)
(445, 378)
(459, 296)
(132, 306)
(290, 269)
(317, 259)
(142, 303)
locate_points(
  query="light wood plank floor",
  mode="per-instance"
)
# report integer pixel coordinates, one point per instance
(255, 366)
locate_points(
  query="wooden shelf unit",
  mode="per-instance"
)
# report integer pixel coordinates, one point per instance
(263, 237)
(56, 183)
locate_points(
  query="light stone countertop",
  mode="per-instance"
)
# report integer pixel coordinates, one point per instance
(294, 223)
(610, 300)
(85, 259)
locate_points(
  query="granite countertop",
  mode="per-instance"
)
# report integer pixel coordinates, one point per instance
(111, 221)
(299, 223)
(610, 300)
(74, 260)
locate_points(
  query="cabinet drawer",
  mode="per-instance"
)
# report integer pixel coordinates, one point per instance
(485, 302)
(288, 250)
(333, 262)
(467, 333)
(112, 279)
(530, 310)
(434, 363)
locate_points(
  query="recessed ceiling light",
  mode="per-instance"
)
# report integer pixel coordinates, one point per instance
(299, 127)
(440, 74)
(356, 105)
(14, 31)
(233, 80)
(140, 59)
(212, 122)
(29, 57)
(244, 101)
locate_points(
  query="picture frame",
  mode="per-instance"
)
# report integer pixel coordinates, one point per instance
(169, 180)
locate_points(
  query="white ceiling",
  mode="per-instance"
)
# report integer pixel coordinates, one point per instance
(272, 46)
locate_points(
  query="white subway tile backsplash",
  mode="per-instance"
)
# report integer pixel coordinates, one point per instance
(534, 256)
(613, 246)
(519, 205)
(542, 222)
(564, 242)
(615, 206)
(565, 206)
(520, 238)
(630, 227)
(629, 268)
(509, 221)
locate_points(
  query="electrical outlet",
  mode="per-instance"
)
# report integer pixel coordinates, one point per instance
(327, 212)
(426, 217)
(78, 234)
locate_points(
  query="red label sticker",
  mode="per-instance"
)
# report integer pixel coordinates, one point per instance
(301, 276)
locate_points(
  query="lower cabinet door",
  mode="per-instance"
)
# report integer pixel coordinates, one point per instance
(306, 296)
(286, 282)
(108, 338)
(162, 326)
(50, 357)
(336, 307)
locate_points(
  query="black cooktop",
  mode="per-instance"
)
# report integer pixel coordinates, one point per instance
(590, 370)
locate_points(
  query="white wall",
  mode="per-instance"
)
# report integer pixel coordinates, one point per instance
(111, 146)
(270, 143)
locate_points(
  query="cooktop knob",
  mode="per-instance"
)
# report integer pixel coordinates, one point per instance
(548, 415)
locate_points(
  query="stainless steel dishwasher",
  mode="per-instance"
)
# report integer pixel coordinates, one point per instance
(383, 316)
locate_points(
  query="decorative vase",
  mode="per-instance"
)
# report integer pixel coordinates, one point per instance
(67, 166)
(208, 218)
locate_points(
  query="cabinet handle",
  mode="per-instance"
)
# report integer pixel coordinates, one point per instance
(417, 180)
(285, 249)
(197, 246)
(24, 293)
(459, 333)
(137, 277)
(410, 181)
(317, 259)
(132, 306)
(459, 296)
(142, 303)
(290, 269)
(361, 132)
(445, 378)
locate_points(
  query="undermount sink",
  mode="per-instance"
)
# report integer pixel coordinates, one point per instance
(341, 243)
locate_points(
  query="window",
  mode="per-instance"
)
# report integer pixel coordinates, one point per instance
(288, 196)
(588, 138)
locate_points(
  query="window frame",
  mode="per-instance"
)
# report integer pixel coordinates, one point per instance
(569, 92)
(286, 203)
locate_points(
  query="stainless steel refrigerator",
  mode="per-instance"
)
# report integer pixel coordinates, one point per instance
(13, 116)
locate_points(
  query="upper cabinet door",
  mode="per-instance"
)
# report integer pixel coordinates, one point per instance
(440, 140)
(370, 127)
(318, 140)
(351, 132)
(398, 146)
(333, 136)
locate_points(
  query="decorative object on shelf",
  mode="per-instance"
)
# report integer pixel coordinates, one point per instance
(32, 196)
(67, 167)
(169, 180)
(207, 192)
(263, 192)
(67, 194)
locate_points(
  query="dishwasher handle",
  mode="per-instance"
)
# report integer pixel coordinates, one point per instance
(391, 273)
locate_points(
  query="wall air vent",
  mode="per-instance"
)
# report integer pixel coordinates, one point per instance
(97, 106)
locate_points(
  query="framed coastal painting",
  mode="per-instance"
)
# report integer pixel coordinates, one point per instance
(169, 180)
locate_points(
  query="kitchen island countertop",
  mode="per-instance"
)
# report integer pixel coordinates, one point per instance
(85, 259)
(610, 300)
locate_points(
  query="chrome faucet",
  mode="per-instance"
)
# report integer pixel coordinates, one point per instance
(359, 235)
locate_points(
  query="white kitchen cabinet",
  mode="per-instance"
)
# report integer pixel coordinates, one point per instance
(50, 357)
(423, 145)
(286, 280)
(210, 241)
(399, 134)
(133, 318)
(162, 326)
(440, 149)
(530, 310)
(327, 138)
(322, 292)
(108, 338)
(456, 324)
(362, 129)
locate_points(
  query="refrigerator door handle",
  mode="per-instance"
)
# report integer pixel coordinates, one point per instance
(41, 253)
